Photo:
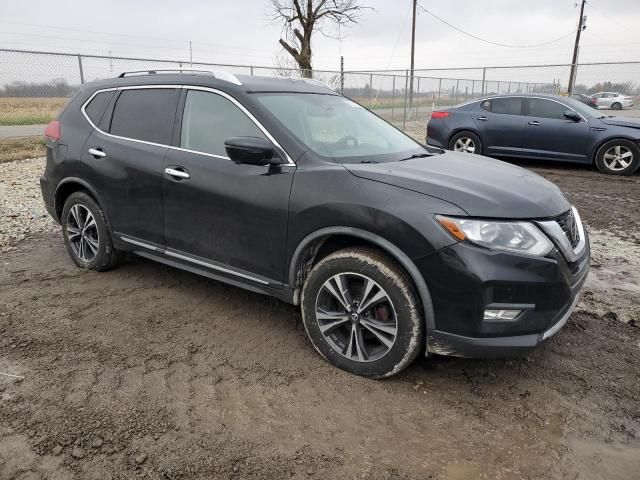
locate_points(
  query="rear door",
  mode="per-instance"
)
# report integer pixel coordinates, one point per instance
(123, 160)
(550, 135)
(501, 124)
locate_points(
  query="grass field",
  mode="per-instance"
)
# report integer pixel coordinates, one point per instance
(20, 148)
(29, 111)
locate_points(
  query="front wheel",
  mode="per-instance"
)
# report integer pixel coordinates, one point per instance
(361, 313)
(465, 142)
(616, 106)
(618, 157)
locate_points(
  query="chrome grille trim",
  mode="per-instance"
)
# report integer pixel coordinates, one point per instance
(560, 238)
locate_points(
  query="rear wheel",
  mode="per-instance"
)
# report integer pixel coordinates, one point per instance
(86, 234)
(361, 313)
(616, 106)
(466, 142)
(618, 157)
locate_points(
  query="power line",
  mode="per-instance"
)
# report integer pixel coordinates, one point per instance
(617, 22)
(489, 41)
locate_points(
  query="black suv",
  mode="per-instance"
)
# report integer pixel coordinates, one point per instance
(283, 187)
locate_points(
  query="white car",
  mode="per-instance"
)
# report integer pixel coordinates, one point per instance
(613, 100)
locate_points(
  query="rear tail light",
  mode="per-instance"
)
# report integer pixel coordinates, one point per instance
(53, 130)
(439, 115)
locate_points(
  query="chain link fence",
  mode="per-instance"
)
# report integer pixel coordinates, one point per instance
(34, 85)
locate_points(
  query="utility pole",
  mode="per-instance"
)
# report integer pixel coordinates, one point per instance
(413, 52)
(190, 54)
(581, 26)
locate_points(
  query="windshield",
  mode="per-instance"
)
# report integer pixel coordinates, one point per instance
(334, 126)
(585, 110)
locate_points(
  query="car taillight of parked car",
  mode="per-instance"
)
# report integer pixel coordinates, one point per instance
(439, 115)
(53, 130)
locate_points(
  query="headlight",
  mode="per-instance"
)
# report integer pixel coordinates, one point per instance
(520, 237)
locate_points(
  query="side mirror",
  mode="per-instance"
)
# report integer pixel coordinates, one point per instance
(250, 151)
(571, 115)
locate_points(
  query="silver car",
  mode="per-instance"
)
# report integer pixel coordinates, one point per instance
(613, 100)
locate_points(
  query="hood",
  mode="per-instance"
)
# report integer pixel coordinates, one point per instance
(481, 186)
(621, 121)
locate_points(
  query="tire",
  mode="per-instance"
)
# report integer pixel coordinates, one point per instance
(616, 106)
(390, 329)
(467, 142)
(618, 157)
(86, 235)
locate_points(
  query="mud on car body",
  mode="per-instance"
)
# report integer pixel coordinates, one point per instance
(391, 248)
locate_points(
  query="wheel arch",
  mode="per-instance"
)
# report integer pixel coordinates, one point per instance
(466, 128)
(307, 252)
(601, 143)
(70, 185)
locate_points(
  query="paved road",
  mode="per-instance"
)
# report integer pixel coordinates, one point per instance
(22, 131)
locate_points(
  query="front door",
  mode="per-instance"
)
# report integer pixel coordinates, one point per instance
(217, 213)
(500, 122)
(551, 135)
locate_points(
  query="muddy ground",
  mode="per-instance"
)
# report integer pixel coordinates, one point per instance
(149, 372)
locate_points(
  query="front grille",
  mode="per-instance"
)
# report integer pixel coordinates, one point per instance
(568, 224)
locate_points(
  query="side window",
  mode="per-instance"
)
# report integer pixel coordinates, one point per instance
(507, 106)
(96, 107)
(209, 119)
(486, 105)
(145, 114)
(539, 107)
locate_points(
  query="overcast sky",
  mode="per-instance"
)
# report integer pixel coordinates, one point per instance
(238, 31)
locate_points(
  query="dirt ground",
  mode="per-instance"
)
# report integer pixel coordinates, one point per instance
(150, 372)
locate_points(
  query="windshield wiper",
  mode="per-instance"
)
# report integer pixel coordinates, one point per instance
(416, 155)
(368, 161)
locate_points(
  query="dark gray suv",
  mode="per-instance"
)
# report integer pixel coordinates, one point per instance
(391, 248)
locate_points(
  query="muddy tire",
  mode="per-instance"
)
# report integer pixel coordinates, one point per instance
(86, 235)
(618, 157)
(466, 142)
(361, 313)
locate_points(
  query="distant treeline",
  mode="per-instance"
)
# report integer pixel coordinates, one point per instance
(628, 88)
(54, 88)
(61, 88)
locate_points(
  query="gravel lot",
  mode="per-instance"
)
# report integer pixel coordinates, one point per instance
(149, 372)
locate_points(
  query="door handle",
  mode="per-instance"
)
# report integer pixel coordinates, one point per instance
(97, 153)
(534, 123)
(174, 172)
(483, 119)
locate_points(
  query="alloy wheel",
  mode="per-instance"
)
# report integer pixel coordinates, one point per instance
(618, 158)
(82, 232)
(464, 144)
(356, 317)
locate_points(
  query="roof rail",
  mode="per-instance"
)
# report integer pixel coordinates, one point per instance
(219, 74)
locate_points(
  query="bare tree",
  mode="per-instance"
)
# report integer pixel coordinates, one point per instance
(303, 17)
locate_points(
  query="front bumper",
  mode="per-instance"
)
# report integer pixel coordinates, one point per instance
(464, 280)
(443, 343)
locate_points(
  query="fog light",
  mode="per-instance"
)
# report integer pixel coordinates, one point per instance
(498, 315)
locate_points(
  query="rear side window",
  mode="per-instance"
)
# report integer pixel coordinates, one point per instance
(145, 114)
(507, 106)
(539, 107)
(209, 119)
(98, 104)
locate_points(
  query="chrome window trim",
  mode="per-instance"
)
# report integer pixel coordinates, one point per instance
(176, 254)
(261, 127)
(480, 100)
